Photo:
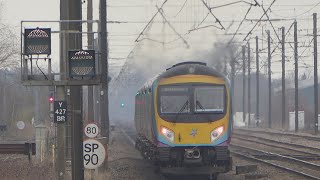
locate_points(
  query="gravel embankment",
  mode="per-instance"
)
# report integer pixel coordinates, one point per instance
(18, 167)
(125, 162)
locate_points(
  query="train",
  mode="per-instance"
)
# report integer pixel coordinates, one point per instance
(183, 120)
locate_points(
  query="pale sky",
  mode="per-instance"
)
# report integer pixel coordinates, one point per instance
(138, 12)
(13, 11)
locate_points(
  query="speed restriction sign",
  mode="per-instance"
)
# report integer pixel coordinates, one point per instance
(94, 154)
(91, 130)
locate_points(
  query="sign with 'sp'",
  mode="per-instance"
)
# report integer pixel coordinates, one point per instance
(94, 154)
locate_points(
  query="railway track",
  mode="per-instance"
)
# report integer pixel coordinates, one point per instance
(293, 147)
(288, 134)
(129, 136)
(309, 171)
(260, 156)
(287, 163)
(17, 147)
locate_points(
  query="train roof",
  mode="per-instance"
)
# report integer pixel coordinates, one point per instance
(191, 67)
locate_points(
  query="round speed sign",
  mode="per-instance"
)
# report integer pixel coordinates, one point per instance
(91, 130)
(94, 154)
(20, 125)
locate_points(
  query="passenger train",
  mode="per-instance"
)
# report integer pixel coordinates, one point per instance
(183, 120)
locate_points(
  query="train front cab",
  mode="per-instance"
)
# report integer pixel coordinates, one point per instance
(194, 138)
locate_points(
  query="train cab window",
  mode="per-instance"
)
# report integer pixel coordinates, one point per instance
(209, 99)
(174, 100)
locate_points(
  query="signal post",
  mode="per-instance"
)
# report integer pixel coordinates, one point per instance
(77, 68)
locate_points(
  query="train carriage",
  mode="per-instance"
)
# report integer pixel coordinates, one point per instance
(183, 120)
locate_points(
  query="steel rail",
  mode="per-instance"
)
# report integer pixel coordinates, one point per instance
(276, 146)
(309, 137)
(276, 165)
(275, 141)
(306, 164)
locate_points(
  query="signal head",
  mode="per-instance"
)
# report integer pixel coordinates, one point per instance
(51, 99)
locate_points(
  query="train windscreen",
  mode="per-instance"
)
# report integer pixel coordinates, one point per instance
(192, 98)
(174, 100)
(209, 99)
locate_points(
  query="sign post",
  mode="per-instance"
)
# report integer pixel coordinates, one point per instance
(77, 68)
(94, 154)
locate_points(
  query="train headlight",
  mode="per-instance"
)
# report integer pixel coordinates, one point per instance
(216, 133)
(169, 134)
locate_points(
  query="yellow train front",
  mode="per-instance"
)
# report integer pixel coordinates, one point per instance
(183, 120)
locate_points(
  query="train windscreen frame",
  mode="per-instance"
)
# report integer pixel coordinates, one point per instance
(187, 109)
(174, 99)
(209, 99)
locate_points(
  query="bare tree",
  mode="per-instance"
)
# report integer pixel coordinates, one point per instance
(8, 47)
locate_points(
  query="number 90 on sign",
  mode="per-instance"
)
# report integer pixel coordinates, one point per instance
(94, 154)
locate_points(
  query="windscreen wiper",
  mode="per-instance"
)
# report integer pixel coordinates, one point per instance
(180, 111)
(184, 106)
(199, 104)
